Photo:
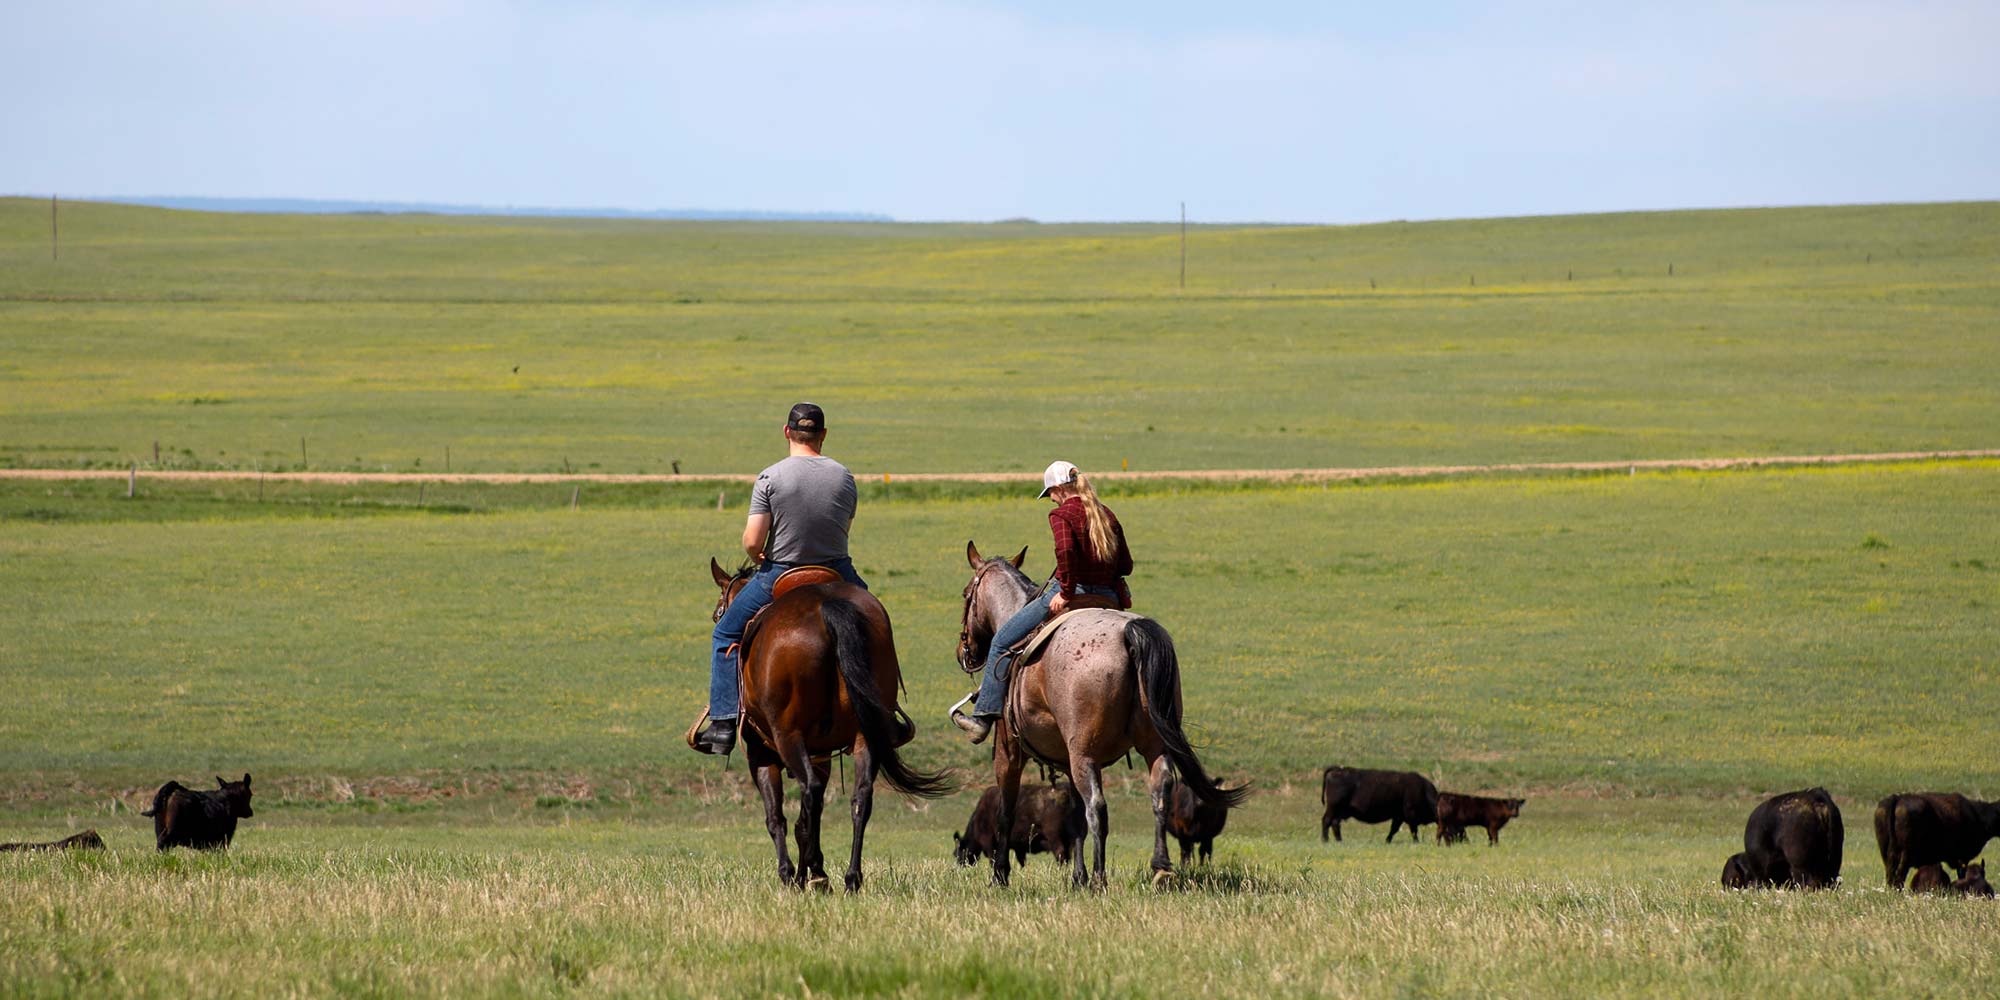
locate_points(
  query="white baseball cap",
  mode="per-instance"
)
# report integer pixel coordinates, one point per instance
(1057, 474)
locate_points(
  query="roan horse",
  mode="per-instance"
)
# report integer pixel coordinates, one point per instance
(1107, 683)
(819, 677)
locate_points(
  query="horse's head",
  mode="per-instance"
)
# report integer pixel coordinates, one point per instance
(992, 581)
(731, 584)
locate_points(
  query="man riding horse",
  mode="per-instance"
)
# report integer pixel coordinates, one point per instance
(800, 513)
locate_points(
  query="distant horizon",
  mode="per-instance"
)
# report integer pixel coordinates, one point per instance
(346, 206)
(1287, 112)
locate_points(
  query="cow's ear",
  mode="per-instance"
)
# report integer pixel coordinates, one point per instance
(957, 837)
(715, 568)
(219, 783)
(1020, 557)
(972, 555)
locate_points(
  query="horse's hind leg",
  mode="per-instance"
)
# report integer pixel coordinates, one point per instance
(1089, 779)
(812, 798)
(864, 804)
(770, 776)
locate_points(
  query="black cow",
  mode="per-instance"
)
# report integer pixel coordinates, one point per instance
(1403, 798)
(1793, 840)
(1046, 820)
(88, 840)
(1932, 878)
(183, 817)
(1917, 829)
(1455, 812)
(1193, 822)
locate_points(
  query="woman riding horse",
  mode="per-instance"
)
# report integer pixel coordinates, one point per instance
(1091, 558)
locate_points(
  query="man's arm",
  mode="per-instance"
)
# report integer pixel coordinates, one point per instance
(755, 532)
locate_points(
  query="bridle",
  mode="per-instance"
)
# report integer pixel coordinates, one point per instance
(968, 662)
(730, 590)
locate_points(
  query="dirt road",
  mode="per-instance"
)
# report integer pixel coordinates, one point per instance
(1278, 475)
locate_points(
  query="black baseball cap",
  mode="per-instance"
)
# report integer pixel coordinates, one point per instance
(807, 417)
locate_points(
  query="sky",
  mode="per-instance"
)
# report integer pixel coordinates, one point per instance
(1281, 112)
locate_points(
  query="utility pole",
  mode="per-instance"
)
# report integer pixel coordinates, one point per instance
(1183, 246)
(54, 242)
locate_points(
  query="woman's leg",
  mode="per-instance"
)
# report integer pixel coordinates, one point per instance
(993, 686)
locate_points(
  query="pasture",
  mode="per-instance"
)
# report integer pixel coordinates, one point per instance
(463, 706)
(524, 344)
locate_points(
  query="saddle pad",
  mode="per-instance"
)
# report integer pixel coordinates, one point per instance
(1041, 638)
(801, 576)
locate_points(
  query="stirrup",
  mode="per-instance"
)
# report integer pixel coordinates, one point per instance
(960, 703)
(700, 724)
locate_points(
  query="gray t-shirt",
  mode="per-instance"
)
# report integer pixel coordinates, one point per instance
(811, 501)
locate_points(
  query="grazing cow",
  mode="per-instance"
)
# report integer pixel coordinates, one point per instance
(1930, 878)
(183, 817)
(88, 840)
(1973, 882)
(1046, 820)
(1793, 840)
(1193, 822)
(1455, 812)
(1925, 828)
(1403, 798)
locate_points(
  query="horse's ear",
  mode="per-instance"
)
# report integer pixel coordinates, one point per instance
(1020, 557)
(721, 577)
(957, 837)
(972, 555)
(219, 783)
(246, 777)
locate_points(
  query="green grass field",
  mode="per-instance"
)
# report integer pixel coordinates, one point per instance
(619, 346)
(463, 706)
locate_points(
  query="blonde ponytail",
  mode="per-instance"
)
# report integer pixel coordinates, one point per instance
(1103, 541)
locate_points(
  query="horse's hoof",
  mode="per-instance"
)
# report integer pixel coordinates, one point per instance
(1097, 882)
(786, 875)
(1163, 877)
(853, 881)
(818, 883)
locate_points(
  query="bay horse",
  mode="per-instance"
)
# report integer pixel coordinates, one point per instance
(819, 677)
(1107, 683)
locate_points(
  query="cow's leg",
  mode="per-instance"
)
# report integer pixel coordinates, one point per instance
(864, 805)
(1208, 850)
(1395, 823)
(1089, 779)
(1336, 832)
(770, 778)
(1186, 845)
(1008, 759)
(1492, 835)
(1156, 785)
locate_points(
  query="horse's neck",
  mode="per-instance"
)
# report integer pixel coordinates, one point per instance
(1007, 595)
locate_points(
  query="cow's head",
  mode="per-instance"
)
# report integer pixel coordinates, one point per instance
(1514, 807)
(237, 795)
(1736, 873)
(963, 851)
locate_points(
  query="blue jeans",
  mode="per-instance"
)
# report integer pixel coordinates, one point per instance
(992, 698)
(723, 675)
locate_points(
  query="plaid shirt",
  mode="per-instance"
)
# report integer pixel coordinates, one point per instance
(1076, 564)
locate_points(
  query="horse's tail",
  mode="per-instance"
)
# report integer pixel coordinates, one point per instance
(1152, 652)
(849, 632)
(160, 797)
